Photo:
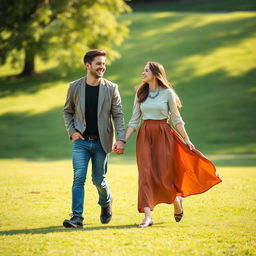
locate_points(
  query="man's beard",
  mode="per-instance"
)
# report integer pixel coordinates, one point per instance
(94, 73)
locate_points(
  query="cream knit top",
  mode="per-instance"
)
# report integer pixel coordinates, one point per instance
(161, 107)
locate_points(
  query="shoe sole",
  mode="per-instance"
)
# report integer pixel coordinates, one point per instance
(142, 226)
(71, 225)
(106, 222)
(179, 216)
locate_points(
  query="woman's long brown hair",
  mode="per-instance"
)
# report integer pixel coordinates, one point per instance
(159, 73)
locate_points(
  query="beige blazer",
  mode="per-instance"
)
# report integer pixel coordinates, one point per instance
(109, 108)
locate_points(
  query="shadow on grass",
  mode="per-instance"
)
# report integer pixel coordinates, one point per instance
(34, 136)
(13, 86)
(53, 229)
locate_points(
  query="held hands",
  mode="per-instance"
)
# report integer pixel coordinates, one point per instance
(76, 136)
(118, 147)
(189, 143)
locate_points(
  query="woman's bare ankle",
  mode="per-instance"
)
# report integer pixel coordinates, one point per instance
(147, 212)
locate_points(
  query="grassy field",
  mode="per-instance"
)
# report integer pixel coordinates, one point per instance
(209, 54)
(210, 58)
(35, 199)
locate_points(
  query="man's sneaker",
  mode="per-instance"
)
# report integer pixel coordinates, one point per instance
(74, 222)
(106, 213)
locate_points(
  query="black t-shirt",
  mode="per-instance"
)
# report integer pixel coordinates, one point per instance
(91, 110)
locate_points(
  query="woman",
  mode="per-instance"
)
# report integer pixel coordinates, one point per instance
(169, 166)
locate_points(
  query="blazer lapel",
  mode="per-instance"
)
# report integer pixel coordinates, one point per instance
(81, 93)
(102, 93)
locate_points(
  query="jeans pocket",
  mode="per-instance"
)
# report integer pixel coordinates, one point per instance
(76, 140)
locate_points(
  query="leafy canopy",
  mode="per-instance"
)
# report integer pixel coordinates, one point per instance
(60, 28)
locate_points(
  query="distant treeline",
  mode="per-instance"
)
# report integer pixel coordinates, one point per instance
(163, 1)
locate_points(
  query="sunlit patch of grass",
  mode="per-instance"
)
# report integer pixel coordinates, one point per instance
(35, 198)
(39, 102)
(231, 59)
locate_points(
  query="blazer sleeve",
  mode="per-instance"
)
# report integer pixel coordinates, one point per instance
(118, 115)
(68, 112)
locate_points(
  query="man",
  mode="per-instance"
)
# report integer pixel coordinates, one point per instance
(92, 103)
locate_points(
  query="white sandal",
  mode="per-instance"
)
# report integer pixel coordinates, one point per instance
(146, 223)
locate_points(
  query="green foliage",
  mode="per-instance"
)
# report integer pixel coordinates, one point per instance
(35, 198)
(64, 29)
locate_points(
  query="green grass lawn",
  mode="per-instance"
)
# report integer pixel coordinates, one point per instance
(35, 198)
(210, 58)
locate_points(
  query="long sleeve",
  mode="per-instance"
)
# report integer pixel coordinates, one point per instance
(118, 115)
(173, 109)
(68, 112)
(136, 114)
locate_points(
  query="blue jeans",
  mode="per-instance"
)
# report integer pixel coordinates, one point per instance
(82, 152)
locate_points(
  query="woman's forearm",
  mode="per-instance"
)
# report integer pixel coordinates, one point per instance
(182, 130)
(130, 130)
(180, 127)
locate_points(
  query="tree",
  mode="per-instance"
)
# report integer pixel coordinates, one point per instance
(61, 28)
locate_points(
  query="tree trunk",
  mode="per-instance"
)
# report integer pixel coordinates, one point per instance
(29, 64)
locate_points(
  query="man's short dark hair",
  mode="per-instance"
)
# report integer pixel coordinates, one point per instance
(90, 55)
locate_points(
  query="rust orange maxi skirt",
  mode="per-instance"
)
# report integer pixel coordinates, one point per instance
(167, 167)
